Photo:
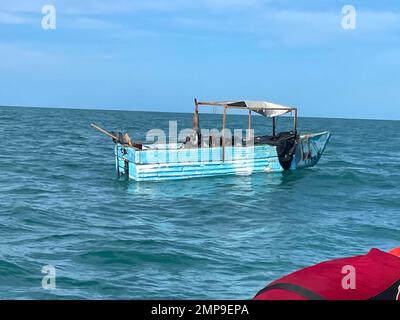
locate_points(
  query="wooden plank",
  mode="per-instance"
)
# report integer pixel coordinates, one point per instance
(223, 133)
(104, 131)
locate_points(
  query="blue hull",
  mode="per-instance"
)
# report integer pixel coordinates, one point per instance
(173, 164)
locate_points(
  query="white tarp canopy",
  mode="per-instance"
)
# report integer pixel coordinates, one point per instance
(267, 109)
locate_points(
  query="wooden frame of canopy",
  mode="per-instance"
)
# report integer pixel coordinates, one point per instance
(261, 109)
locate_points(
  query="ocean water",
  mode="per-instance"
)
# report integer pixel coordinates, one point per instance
(62, 204)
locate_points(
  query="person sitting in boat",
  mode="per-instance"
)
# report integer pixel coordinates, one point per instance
(193, 140)
(374, 276)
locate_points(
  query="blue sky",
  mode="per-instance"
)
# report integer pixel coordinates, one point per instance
(160, 54)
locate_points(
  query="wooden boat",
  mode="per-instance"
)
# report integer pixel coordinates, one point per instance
(202, 155)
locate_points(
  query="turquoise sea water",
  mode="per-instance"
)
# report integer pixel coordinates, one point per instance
(62, 204)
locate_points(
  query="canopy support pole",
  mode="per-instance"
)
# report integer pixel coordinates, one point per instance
(196, 123)
(295, 120)
(249, 119)
(248, 134)
(273, 126)
(223, 133)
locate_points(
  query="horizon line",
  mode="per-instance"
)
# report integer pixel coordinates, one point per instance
(183, 112)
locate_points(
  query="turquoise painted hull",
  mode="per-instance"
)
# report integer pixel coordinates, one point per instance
(170, 163)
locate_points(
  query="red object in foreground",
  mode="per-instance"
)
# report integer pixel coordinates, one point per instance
(374, 276)
(395, 252)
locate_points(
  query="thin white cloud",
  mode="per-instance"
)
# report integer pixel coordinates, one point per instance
(90, 7)
(18, 56)
(298, 28)
(306, 28)
(378, 20)
(11, 18)
(24, 6)
(231, 4)
(92, 24)
(256, 17)
(33, 57)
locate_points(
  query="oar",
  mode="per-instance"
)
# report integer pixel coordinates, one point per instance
(135, 145)
(104, 131)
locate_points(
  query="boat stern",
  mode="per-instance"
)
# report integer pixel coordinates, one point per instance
(310, 148)
(124, 161)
